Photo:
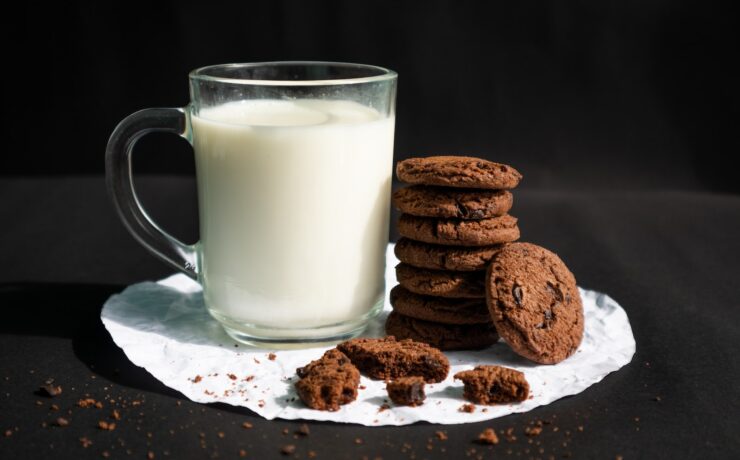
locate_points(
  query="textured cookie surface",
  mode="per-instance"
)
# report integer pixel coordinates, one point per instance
(434, 256)
(442, 336)
(439, 310)
(493, 385)
(388, 358)
(406, 391)
(534, 303)
(422, 200)
(328, 382)
(457, 171)
(455, 232)
(442, 283)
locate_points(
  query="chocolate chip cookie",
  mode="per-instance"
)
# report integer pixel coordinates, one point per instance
(493, 385)
(425, 255)
(328, 382)
(442, 336)
(458, 171)
(534, 303)
(442, 283)
(455, 232)
(428, 201)
(439, 310)
(388, 358)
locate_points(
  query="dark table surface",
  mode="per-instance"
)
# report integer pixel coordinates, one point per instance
(670, 258)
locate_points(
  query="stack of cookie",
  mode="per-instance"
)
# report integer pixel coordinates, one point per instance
(455, 219)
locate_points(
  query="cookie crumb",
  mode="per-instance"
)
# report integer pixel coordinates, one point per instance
(197, 379)
(221, 435)
(50, 390)
(533, 430)
(247, 425)
(85, 442)
(303, 430)
(359, 441)
(467, 408)
(231, 376)
(61, 421)
(103, 425)
(271, 356)
(287, 449)
(242, 453)
(115, 415)
(8, 433)
(384, 407)
(441, 435)
(150, 455)
(488, 436)
(311, 454)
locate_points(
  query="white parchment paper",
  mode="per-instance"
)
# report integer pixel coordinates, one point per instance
(164, 327)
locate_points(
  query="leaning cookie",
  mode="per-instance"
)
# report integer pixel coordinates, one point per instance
(439, 310)
(442, 336)
(438, 257)
(455, 232)
(458, 171)
(442, 283)
(535, 303)
(427, 201)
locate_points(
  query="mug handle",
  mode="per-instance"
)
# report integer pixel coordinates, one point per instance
(119, 181)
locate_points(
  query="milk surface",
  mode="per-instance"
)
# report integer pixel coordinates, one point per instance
(294, 207)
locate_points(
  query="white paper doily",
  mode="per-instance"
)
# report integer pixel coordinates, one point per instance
(164, 328)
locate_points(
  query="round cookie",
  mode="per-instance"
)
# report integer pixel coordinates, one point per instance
(439, 310)
(456, 232)
(442, 336)
(455, 171)
(441, 283)
(535, 303)
(428, 201)
(425, 255)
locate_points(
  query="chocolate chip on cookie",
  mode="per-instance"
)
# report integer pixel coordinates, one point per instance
(455, 232)
(438, 309)
(427, 201)
(434, 256)
(442, 336)
(458, 171)
(535, 303)
(442, 283)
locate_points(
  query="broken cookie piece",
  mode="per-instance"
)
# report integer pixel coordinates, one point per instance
(328, 382)
(388, 358)
(493, 385)
(407, 391)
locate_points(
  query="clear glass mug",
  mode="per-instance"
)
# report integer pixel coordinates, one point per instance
(293, 164)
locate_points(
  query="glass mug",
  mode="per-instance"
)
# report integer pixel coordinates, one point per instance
(293, 166)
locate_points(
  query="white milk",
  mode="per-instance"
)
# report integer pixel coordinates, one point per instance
(294, 207)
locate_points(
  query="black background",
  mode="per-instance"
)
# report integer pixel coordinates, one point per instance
(631, 94)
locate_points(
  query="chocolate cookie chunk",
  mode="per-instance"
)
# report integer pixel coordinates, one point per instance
(442, 283)
(534, 303)
(328, 382)
(454, 171)
(426, 201)
(442, 336)
(425, 255)
(406, 391)
(440, 310)
(388, 358)
(455, 232)
(493, 385)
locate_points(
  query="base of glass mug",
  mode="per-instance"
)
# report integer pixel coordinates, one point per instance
(286, 338)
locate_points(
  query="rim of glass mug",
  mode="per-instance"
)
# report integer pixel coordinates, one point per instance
(375, 73)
